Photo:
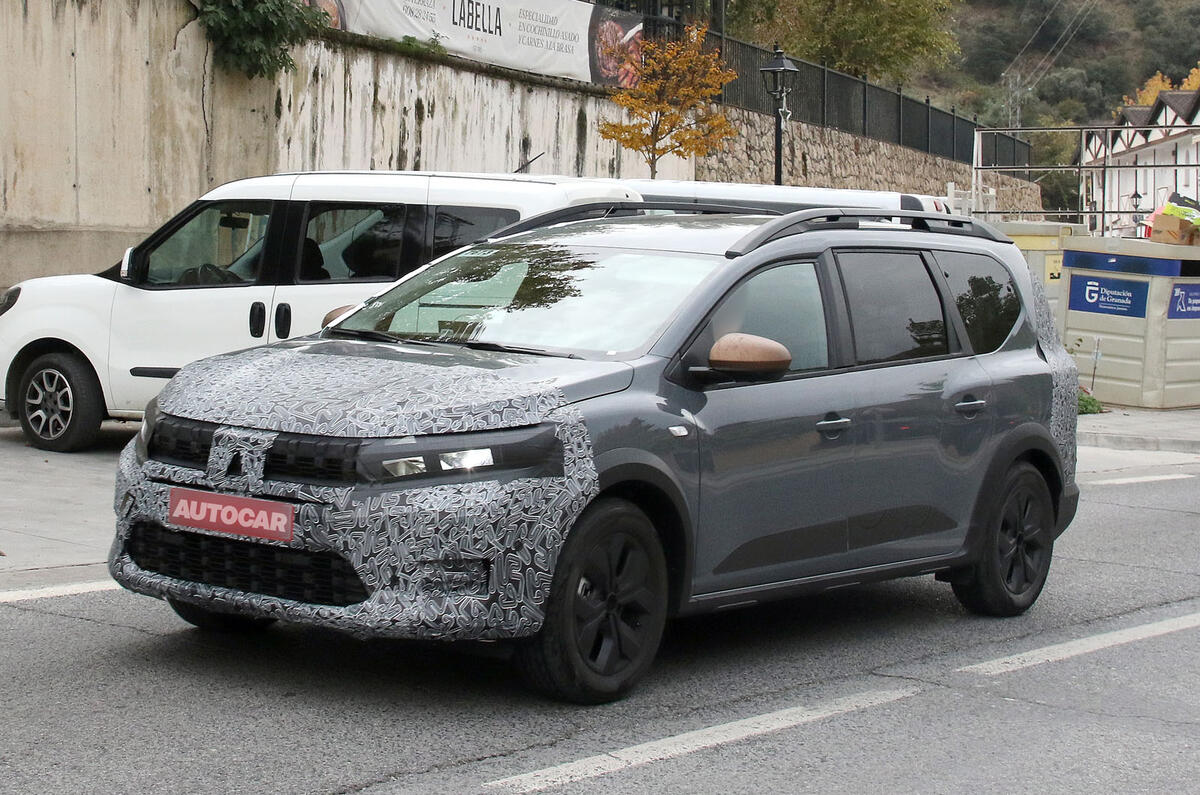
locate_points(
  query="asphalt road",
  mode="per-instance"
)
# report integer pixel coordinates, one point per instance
(886, 687)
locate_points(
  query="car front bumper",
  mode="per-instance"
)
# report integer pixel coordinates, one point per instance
(460, 561)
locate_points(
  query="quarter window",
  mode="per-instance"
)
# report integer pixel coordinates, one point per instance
(895, 311)
(221, 244)
(782, 304)
(984, 294)
(455, 227)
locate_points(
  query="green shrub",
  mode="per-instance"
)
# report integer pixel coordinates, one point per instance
(254, 36)
(1089, 404)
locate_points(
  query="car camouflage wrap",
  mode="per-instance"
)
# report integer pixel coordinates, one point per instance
(1064, 408)
(454, 555)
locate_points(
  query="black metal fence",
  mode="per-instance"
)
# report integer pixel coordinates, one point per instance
(832, 99)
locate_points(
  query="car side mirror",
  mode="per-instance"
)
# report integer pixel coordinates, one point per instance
(749, 356)
(126, 263)
(334, 314)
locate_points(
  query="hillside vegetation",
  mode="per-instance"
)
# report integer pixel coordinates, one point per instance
(1069, 61)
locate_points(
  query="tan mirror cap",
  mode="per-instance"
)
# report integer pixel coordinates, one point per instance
(334, 314)
(748, 353)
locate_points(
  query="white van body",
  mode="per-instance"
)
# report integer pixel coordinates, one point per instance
(234, 270)
(786, 198)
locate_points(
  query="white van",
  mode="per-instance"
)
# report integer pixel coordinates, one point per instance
(785, 198)
(249, 263)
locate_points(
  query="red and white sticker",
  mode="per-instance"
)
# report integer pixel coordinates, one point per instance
(224, 513)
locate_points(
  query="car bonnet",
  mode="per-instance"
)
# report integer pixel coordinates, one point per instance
(362, 389)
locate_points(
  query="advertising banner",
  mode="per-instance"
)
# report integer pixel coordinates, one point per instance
(1185, 302)
(1108, 296)
(559, 38)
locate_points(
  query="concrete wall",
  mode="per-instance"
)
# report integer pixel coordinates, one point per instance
(113, 118)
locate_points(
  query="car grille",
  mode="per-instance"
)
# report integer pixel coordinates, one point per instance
(320, 578)
(181, 442)
(293, 457)
(312, 459)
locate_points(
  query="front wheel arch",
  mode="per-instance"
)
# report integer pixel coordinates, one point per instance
(25, 357)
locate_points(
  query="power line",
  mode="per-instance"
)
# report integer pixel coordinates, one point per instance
(1041, 25)
(1086, 11)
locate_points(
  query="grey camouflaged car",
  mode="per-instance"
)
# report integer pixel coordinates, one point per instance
(565, 436)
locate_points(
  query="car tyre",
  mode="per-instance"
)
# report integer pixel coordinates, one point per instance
(606, 609)
(59, 403)
(1017, 549)
(214, 621)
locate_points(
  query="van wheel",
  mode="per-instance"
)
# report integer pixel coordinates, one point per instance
(606, 609)
(59, 402)
(1016, 556)
(213, 621)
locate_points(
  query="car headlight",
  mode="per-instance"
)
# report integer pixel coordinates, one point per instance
(147, 430)
(530, 452)
(9, 299)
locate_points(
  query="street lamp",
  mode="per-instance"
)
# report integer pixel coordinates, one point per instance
(1135, 199)
(777, 74)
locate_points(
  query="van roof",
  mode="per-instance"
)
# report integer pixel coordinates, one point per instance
(351, 185)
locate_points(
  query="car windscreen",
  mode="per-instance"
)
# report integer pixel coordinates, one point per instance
(597, 301)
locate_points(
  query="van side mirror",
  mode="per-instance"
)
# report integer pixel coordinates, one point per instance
(126, 262)
(334, 314)
(749, 356)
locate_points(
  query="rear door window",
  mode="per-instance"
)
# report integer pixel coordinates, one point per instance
(895, 310)
(358, 242)
(983, 292)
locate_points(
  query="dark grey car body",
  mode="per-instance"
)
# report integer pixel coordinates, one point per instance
(758, 488)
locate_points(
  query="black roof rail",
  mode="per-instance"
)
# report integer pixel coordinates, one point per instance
(605, 209)
(850, 218)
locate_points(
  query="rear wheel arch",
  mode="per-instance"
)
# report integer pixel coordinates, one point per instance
(25, 357)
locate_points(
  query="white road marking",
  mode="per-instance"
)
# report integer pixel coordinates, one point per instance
(690, 742)
(57, 590)
(1073, 648)
(1143, 479)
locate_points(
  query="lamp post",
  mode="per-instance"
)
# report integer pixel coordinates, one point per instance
(1135, 199)
(777, 74)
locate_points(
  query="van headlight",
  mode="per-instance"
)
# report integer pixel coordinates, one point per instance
(9, 299)
(529, 452)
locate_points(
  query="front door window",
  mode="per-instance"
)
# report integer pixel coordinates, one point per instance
(222, 244)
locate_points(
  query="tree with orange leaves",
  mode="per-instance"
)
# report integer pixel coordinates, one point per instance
(1149, 90)
(670, 109)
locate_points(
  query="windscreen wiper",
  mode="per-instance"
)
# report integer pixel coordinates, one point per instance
(377, 336)
(481, 345)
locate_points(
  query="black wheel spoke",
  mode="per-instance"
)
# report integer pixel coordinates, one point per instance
(632, 575)
(630, 640)
(587, 633)
(607, 656)
(640, 600)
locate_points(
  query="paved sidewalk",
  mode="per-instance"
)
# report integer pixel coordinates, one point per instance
(1176, 430)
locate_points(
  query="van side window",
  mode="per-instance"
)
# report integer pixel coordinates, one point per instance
(783, 304)
(984, 294)
(221, 244)
(455, 227)
(895, 311)
(345, 242)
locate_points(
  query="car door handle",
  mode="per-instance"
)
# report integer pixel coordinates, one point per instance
(970, 406)
(283, 321)
(833, 426)
(258, 318)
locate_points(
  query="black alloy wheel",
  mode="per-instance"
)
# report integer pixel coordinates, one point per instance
(606, 609)
(1016, 556)
(60, 404)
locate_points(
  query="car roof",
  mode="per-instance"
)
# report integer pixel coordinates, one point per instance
(701, 234)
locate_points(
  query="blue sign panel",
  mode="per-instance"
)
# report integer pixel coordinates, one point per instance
(1185, 301)
(1124, 263)
(1108, 296)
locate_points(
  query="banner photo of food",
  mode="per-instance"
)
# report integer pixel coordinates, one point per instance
(570, 39)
